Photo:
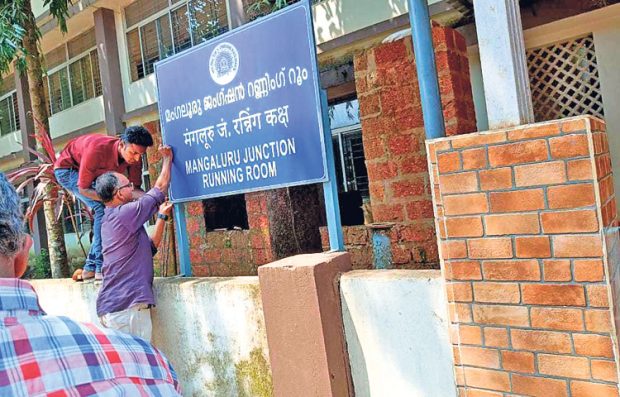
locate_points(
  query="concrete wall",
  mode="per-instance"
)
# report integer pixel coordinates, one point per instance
(212, 330)
(77, 117)
(10, 143)
(335, 18)
(396, 326)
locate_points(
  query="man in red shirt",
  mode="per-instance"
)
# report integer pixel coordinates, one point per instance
(88, 156)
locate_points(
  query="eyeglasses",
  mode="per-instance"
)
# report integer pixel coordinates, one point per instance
(118, 189)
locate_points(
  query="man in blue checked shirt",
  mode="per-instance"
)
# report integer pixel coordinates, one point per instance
(55, 356)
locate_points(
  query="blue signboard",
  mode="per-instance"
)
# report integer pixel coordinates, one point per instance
(242, 112)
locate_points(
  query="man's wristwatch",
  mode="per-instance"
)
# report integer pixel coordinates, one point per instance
(162, 216)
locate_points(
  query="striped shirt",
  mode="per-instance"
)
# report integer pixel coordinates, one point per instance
(54, 356)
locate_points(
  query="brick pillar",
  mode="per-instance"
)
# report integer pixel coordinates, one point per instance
(393, 136)
(523, 214)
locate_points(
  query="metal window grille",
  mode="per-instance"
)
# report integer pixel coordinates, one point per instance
(259, 8)
(8, 115)
(180, 29)
(564, 80)
(155, 35)
(59, 91)
(208, 18)
(94, 61)
(16, 112)
(156, 39)
(76, 81)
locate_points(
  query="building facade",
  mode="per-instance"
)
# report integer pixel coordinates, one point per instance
(100, 78)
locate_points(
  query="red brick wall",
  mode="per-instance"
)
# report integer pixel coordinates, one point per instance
(522, 220)
(393, 136)
(358, 241)
(232, 252)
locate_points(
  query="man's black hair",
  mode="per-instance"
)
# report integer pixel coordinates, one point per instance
(137, 135)
(105, 186)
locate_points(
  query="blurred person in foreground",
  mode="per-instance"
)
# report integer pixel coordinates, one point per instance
(50, 355)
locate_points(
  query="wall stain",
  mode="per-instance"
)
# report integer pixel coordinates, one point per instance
(254, 376)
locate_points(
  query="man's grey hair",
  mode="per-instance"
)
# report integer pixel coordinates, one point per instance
(11, 220)
(105, 186)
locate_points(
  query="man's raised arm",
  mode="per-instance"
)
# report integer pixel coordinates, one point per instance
(164, 176)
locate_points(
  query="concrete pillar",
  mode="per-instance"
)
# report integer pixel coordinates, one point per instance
(504, 70)
(303, 319)
(39, 233)
(109, 67)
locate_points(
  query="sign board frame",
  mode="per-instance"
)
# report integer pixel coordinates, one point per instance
(314, 80)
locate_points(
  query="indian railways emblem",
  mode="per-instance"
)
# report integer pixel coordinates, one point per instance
(224, 63)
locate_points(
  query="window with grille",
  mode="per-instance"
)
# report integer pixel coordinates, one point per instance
(9, 117)
(72, 82)
(351, 173)
(158, 29)
(564, 80)
(225, 213)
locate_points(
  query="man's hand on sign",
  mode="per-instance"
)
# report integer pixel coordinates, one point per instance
(166, 152)
(166, 208)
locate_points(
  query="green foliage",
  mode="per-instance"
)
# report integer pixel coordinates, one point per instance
(264, 7)
(39, 266)
(14, 18)
(12, 30)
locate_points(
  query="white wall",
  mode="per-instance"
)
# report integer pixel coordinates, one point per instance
(11, 143)
(477, 87)
(211, 329)
(396, 327)
(607, 45)
(83, 115)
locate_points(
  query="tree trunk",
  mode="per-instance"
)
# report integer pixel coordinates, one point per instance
(55, 232)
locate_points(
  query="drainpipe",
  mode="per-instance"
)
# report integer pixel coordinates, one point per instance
(427, 70)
